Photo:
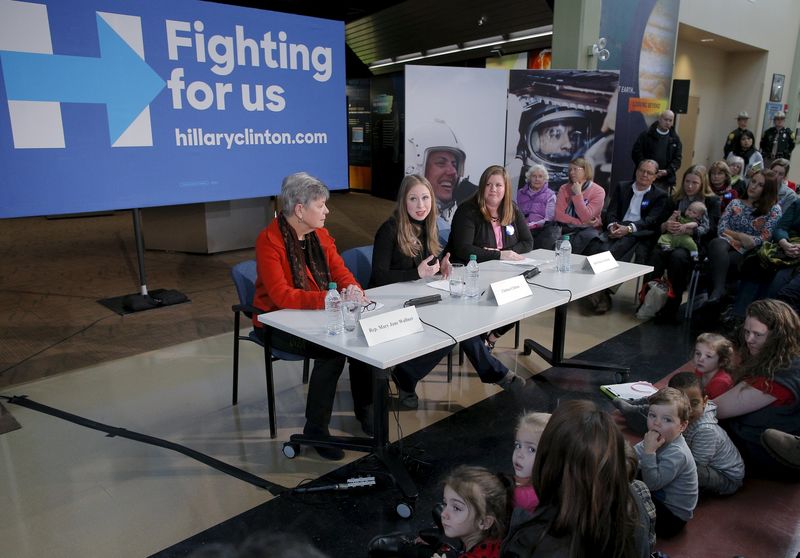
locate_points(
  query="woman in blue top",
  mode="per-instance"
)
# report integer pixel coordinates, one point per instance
(744, 226)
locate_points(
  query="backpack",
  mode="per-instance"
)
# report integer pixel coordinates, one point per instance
(652, 298)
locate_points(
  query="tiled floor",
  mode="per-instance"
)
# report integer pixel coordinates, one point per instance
(66, 490)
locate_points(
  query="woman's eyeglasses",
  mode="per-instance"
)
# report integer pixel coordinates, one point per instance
(369, 307)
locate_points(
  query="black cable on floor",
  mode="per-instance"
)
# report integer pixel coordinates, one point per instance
(113, 431)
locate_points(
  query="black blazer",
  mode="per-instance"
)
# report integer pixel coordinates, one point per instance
(389, 264)
(652, 210)
(470, 232)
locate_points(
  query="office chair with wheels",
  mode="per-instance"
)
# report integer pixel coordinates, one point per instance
(244, 277)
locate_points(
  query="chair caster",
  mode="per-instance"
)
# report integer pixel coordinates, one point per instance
(290, 450)
(404, 509)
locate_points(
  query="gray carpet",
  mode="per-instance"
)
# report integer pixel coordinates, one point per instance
(54, 271)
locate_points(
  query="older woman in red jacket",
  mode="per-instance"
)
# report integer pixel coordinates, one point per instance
(296, 259)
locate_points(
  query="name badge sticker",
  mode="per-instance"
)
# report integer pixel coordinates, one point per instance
(511, 289)
(390, 325)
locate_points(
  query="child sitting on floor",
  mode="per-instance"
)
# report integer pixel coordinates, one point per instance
(474, 519)
(526, 440)
(720, 469)
(695, 213)
(642, 494)
(666, 463)
(713, 354)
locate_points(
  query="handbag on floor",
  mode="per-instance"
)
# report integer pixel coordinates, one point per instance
(652, 298)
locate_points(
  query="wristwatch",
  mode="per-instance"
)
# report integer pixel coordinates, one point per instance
(630, 229)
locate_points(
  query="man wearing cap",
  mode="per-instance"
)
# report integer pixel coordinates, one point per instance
(778, 141)
(732, 144)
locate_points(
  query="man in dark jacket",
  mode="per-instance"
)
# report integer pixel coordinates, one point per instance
(661, 144)
(634, 217)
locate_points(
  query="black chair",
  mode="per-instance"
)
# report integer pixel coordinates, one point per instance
(244, 277)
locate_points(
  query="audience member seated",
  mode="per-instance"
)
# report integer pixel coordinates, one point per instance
(720, 469)
(634, 215)
(786, 190)
(678, 263)
(579, 205)
(695, 213)
(407, 248)
(746, 224)
(586, 504)
(775, 271)
(296, 258)
(537, 202)
(736, 164)
(666, 462)
(719, 178)
(474, 520)
(490, 226)
(767, 394)
(753, 161)
(526, 441)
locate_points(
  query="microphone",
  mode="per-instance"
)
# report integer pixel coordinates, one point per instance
(531, 273)
(357, 482)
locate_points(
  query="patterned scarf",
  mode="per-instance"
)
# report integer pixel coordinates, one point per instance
(317, 264)
(571, 207)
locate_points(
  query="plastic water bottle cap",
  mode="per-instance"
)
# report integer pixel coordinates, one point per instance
(565, 237)
(473, 257)
(332, 285)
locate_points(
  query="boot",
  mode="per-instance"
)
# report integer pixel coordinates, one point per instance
(785, 448)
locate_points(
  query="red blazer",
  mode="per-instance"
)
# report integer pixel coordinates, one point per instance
(274, 286)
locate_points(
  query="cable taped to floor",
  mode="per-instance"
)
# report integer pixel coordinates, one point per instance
(113, 431)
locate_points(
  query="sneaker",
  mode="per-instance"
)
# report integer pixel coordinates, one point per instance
(389, 545)
(511, 382)
(365, 418)
(408, 399)
(785, 448)
(603, 302)
(635, 413)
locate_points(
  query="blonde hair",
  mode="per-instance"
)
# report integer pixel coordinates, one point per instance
(408, 232)
(705, 187)
(588, 170)
(506, 209)
(533, 422)
(720, 345)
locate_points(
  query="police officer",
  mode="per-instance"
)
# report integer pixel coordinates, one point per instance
(777, 142)
(732, 143)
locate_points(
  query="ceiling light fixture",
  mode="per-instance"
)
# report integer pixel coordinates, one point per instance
(494, 41)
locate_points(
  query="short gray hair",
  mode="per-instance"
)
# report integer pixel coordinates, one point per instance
(537, 167)
(301, 188)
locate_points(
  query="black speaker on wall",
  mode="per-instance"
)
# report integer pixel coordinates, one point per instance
(679, 101)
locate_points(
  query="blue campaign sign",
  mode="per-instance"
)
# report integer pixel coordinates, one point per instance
(110, 105)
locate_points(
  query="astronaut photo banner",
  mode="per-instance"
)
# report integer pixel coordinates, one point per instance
(556, 116)
(111, 104)
(455, 128)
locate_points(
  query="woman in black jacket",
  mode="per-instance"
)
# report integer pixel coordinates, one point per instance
(490, 225)
(407, 248)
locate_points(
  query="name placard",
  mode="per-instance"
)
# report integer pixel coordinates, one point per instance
(511, 289)
(601, 262)
(390, 325)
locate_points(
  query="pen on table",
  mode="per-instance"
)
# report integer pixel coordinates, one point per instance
(483, 292)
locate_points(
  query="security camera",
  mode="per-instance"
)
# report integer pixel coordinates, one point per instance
(603, 55)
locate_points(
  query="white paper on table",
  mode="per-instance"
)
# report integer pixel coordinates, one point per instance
(441, 284)
(525, 262)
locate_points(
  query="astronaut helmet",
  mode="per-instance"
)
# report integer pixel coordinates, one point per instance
(436, 136)
(554, 136)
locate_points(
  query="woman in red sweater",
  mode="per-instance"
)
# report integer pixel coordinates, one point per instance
(296, 259)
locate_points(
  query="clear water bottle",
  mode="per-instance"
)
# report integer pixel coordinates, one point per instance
(333, 310)
(564, 255)
(471, 285)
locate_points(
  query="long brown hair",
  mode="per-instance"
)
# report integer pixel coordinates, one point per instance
(408, 232)
(705, 187)
(580, 470)
(769, 193)
(506, 210)
(782, 344)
